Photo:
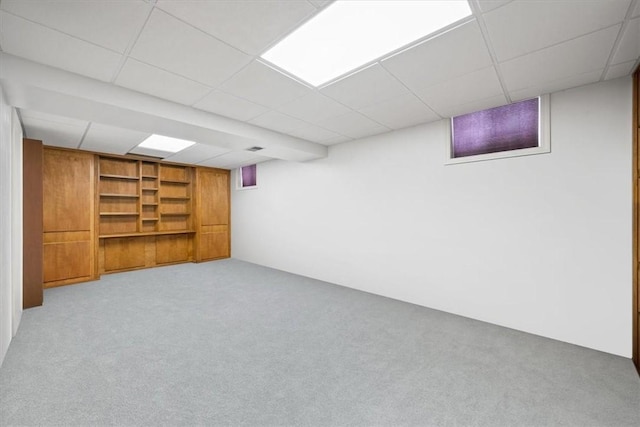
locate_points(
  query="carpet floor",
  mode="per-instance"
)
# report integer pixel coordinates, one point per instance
(232, 343)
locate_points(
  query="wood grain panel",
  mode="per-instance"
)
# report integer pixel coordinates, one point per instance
(67, 260)
(214, 245)
(214, 196)
(172, 248)
(124, 253)
(118, 225)
(69, 236)
(212, 214)
(32, 253)
(118, 166)
(214, 228)
(150, 251)
(68, 190)
(174, 223)
(118, 186)
(174, 173)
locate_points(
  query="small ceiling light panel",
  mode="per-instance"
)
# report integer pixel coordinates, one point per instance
(161, 146)
(165, 143)
(348, 34)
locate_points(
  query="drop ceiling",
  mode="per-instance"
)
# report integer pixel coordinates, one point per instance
(102, 76)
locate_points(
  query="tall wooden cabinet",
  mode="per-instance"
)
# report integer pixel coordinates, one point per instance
(212, 221)
(68, 217)
(114, 213)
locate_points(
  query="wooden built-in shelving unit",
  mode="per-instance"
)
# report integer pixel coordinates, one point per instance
(141, 213)
(145, 213)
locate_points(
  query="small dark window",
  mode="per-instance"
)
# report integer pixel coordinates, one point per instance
(248, 176)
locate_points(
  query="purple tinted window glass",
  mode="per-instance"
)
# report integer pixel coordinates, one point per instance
(249, 176)
(510, 127)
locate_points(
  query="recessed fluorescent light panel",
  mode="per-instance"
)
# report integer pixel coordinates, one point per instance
(161, 146)
(348, 34)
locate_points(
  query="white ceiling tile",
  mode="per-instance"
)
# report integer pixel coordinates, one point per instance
(451, 54)
(487, 5)
(33, 41)
(263, 85)
(320, 3)
(401, 111)
(478, 85)
(475, 105)
(557, 85)
(228, 105)
(587, 53)
(521, 27)
(108, 139)
(336, 140)
(53, 130)
(313, 133)
(175, 46)
(157, 82)
(234, 159)
(277, 121)
(353, 125)
(629, 47)
(248, 25)
(111, 24)
(37, 115)
(196, 154)
(366, 87)
(619, 70)
(313, 108)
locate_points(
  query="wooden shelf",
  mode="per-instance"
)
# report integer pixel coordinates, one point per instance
(133, 196)
(109, 176)
(149, 233)
(119, 214)
(174, 181)
(149, 188)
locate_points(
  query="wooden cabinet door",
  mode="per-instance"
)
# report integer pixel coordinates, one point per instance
(68, 217)
(212, 222)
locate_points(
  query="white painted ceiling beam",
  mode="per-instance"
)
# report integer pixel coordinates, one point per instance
(43, 88)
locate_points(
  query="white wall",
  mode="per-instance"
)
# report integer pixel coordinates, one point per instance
(16, 221)
(10, 224)
(539, 243)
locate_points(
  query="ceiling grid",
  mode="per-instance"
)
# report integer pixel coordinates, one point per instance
(192, 69)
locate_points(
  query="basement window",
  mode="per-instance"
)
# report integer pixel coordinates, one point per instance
(247, 177)
(517, 129)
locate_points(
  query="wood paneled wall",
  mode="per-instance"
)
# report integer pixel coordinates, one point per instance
(32, 250)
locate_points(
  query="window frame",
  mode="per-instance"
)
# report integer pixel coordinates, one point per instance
(544, 140)
(239, 182)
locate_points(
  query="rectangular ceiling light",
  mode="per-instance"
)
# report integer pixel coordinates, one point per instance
(348, 34)
(161, 146)
(165, 143)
